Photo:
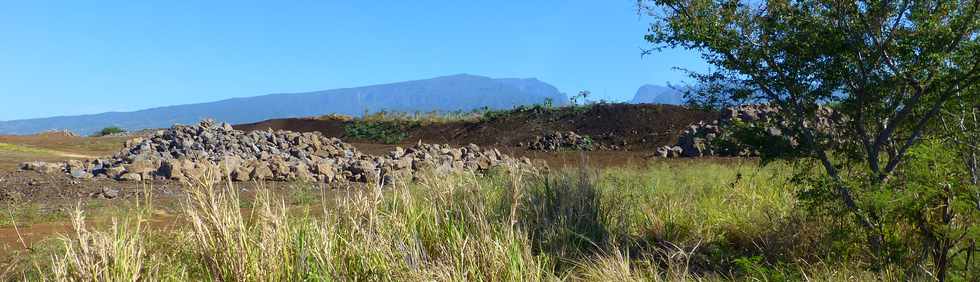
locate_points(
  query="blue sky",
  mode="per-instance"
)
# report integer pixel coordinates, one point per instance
(80, 57)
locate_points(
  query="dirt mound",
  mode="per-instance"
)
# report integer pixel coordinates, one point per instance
(627, 126)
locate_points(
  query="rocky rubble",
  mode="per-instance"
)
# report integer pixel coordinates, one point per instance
(714, 138)
(186, 152)
(60, 132)
(558, 141)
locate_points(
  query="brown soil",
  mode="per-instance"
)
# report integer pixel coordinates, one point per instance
(635, 127)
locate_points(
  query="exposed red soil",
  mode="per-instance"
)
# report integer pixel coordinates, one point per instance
(640, 127)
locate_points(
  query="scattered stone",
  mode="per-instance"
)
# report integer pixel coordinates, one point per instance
(242, 173)
(715, 138)
(262, 172)
(170, 169)
(10, 196)
(115, 172)
(109, 193)
(43, 167)
(560, 141)
(129, 176)
(79, 173)
(670, 151)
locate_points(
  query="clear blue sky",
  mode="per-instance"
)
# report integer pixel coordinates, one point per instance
(79, 57)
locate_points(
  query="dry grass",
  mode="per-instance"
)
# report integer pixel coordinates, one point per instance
(117, 255)
(17, 149)
(665, 223)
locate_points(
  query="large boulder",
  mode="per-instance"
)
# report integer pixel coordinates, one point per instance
(130, 176)
(262, 171)
(171, 169)
(43, 167)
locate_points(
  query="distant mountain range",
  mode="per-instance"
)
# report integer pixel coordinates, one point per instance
(656, 94)
(449, 93)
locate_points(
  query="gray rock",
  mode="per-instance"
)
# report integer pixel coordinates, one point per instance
(110, 193)
(262, 172)
(170, 169)
(129, 176)
(79, 173)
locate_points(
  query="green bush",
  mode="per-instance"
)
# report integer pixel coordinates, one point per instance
(381, 131)
(109, 131)
(927, 213)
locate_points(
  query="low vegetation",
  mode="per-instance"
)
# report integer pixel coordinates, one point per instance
(385, 131)
(391, 127)
(901, 80)
(670, 221)
(109, 131)
(14, 148)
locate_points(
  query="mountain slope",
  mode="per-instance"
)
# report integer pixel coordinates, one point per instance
(655, 94)
(448, 93)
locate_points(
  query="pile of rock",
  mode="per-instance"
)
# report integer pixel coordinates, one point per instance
(402, 163)
(561, 141)
(60, 132)
(715, 138)
(139, 133)
(187, 152)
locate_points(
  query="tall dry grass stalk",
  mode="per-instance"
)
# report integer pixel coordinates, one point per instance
(117, 255)
(232, 247)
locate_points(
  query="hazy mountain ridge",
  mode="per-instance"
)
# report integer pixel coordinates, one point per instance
(656, 94)
(448, 93)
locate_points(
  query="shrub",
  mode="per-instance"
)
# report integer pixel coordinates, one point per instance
(381, 131)
(109, 131)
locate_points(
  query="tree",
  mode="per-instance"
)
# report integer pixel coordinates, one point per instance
(109, 131)
(887, 67)
(581, 96)
(960, 121)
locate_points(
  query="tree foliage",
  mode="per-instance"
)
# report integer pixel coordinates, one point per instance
(889, 68)
(110, 130)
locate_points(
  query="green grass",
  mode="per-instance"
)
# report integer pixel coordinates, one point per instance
(425, 118)
(393, 127)
(388, 132)
(12, 148)
(27, 213)
(669, 221)
(542, 110)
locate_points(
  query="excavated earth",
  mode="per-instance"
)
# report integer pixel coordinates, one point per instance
(629, 127)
